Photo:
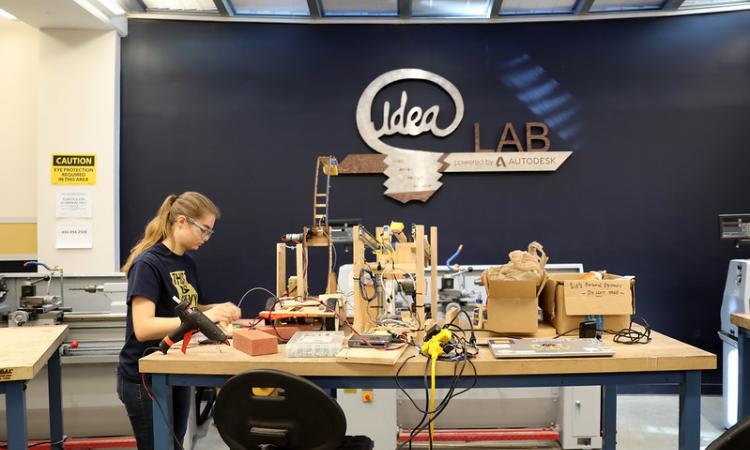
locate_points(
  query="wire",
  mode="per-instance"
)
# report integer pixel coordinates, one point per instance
(451, 394)
(239, 304)
(566, 333)
(363, 289)
(454, 255)
(161, 410)
(459, 351)
(630, 336)
(433, 364)
(36, 444)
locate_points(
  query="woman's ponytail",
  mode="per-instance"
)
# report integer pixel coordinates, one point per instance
(189, 204)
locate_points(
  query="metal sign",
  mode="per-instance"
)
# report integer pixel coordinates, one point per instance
(414, 174)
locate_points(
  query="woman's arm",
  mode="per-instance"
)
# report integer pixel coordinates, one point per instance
(146, 325)
(221, 312)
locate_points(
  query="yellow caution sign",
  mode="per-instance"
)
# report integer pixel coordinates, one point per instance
(73, 169)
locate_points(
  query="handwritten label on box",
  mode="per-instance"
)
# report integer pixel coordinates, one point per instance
(598, 289)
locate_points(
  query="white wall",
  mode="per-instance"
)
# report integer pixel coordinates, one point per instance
(19, 60)
(78, 105)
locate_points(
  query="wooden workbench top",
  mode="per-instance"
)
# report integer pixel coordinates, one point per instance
(741, 320)
(25, 350)
(662, 354)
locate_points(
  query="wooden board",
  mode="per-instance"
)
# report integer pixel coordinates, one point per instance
(281, 288)
(741, 320)
(25, 350)
(370, 355)
(663, 353)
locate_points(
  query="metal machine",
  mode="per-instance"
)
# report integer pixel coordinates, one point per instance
(736, 300)
(735, 227)
(575, 412)
(92, 305)
(44, 309)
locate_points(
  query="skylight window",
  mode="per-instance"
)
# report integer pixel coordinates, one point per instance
(509, 7)
(359, 7)
(450, 8)
(181, 5)
(625, 5)
(272, 7)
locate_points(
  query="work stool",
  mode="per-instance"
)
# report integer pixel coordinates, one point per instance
(297, 415)
(735, 438)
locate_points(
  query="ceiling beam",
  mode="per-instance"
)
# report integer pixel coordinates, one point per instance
(225, 7)
(140, 4)
(495, 7)
(135, 6)
(314, 7)
(672, 5)
(583, 7)
(404, 8)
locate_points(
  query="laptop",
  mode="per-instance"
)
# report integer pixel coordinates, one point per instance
(547, 348)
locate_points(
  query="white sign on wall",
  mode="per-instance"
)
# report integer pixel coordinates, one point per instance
(74, 233)
(73, 204)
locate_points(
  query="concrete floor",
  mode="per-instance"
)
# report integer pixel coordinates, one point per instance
(644, 422)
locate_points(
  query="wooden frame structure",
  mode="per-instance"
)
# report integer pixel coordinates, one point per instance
(319, 235)
(408, 260)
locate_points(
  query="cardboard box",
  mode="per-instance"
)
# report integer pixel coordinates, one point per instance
(512, 305)
(254, 342)
(567, 300)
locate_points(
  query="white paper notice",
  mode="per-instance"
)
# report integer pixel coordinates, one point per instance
(74, 234)
(74, 204)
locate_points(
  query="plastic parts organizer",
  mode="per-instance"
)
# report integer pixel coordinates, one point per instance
(314, 344)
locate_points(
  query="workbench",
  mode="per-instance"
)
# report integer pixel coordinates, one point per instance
(663, 361)
(23, 353)
(743, 346)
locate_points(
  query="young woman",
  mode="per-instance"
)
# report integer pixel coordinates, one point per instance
(157, 269)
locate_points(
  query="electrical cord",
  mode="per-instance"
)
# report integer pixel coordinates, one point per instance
(363, 289)
(37, 444)
(457, 349)
(161, 410)
(627, 336)
(457, 374)
(239, 304)
(630, 336)
(566, 333)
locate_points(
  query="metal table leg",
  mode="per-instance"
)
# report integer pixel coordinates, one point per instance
(54, 380)
(15, 409)
(690, 411)
(609, 419)
(162, 409)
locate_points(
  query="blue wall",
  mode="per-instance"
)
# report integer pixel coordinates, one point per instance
(655, 110)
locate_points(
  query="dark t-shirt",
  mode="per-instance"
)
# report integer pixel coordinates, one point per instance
(156, 274)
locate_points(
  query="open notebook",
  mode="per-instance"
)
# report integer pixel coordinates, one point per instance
(547, 348)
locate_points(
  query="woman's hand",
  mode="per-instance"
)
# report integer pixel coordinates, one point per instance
(223, 312)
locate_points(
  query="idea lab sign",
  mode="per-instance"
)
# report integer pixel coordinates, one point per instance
(414, 174)
(73, 169)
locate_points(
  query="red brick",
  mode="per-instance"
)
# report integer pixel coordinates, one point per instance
(254, 342)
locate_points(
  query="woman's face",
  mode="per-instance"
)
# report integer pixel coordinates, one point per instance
(192, 232)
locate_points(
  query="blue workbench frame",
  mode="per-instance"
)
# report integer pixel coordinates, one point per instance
(689, 382)
(15, 407)
(743, 393)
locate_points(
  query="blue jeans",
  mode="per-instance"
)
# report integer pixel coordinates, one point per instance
(140, 411)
